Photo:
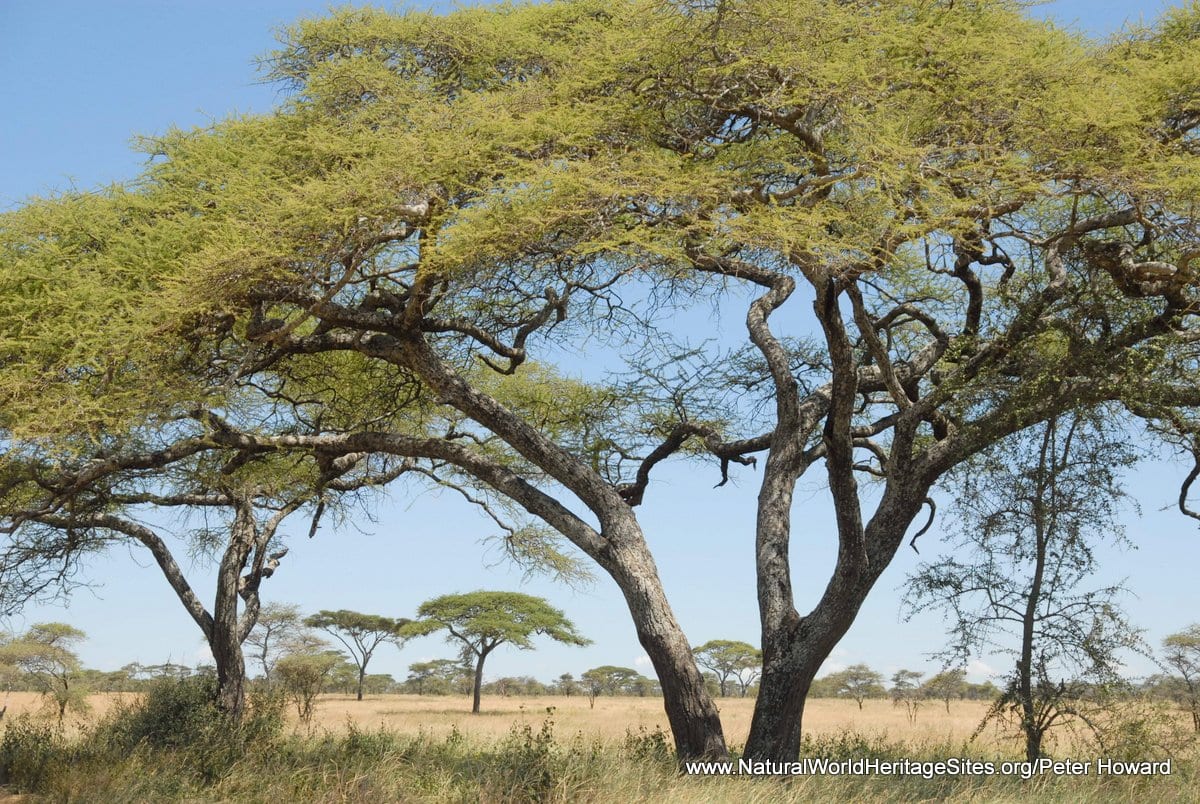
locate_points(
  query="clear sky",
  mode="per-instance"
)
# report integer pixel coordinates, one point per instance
(81, 78)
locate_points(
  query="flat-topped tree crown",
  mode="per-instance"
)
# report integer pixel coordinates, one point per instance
(360, 634)
(482, 621)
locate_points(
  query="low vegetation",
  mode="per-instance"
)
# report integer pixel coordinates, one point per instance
(173, 744)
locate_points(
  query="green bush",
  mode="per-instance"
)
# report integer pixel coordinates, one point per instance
(31, 754)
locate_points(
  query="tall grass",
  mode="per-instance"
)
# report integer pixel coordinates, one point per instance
(129, 757)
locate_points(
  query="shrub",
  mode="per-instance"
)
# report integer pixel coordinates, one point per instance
(31, 754)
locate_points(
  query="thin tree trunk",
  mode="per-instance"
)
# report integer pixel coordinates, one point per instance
(477, 688)
(362, 671)
(1033, 734)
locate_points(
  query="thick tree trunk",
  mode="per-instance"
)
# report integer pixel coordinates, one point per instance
(691, 713)
(225, 637)
(362, 672)
(795, 647)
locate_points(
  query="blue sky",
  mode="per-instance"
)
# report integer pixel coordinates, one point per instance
(82, 78)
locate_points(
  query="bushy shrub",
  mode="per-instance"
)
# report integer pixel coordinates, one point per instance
(181, 715)
(30, 754)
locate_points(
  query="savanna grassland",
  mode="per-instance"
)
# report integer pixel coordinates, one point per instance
(546, 748)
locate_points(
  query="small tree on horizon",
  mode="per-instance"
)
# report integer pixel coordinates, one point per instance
(46, 655)
(730, 660)
(482, 621)
(361, 634)
(858, 681)
(905, 691)
(1182, 654)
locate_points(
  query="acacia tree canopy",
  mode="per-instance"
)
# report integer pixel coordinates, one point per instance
(360, 634)
(935, 242)
(482, 621)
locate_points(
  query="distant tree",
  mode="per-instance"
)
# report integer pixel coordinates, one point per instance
(987, 691)
(641, 686)
(728, 659)
(303, 677)
(278, 623)
(858, 682)
(1181, 653)
(567, 685)
(379, 683)
(824, 687)
(46, 655)
(482, 621)
(611, 680)
(1031, 513)
(361, 634)
(905, 691)
(946, 685)
(440, 673)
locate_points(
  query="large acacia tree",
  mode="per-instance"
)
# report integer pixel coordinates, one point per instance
(934, 242)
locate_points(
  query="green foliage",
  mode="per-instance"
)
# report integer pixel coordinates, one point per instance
(609, 679)
(31, 754)
(730, 659)
(487, 619)
(302, 677)
(45, 654)
(858, 682)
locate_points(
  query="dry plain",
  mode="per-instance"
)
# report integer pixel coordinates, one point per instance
(609, 720)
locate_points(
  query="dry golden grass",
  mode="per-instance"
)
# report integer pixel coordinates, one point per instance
(609, 720)
(613, 717)
(32, 703)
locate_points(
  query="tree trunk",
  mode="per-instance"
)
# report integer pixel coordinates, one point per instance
(794, 647)
(477, 688)
(1045, 479)
(362, 672)
(225, 636)
(691, 713)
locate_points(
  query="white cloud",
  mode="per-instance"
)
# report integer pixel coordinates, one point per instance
(979, 671)
(642, 661)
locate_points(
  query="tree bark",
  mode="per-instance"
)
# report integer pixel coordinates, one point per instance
(795, 647)
(477, 688)
(691, 713)
(225, 638)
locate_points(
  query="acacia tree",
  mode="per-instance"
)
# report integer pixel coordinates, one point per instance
(935, 243)
(442, 671)
(483, 621)
(277, 625)
(608, 679)
(906, 691)
(57, 510)
(946, 685)
(45, 654)
(730, 659)
(1032, 515)
(858, 681)
(360, 634)
(1181, 652)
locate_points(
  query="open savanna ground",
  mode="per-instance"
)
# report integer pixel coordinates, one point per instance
(613, 717)
(423, 748)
